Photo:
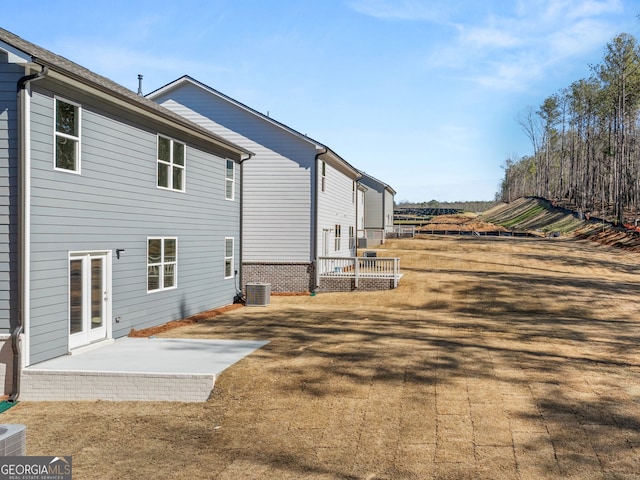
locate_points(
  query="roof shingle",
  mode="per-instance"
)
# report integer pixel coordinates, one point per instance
(72, 70)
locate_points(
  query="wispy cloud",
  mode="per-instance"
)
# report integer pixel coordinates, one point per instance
(579, 37)
(434, 11)
(575, 9)
(123, 63)
(506, 46)
(511, 74)
(548, 35)
(488, 37)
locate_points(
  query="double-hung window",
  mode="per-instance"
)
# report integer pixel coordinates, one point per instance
(352, 237)
(337, 238)
(228, 257)
(162, 262)
(67, 136)
(171, 164)
(229, 180)
(324, 177)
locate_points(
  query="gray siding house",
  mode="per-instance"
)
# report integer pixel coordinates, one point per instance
(360, 205)
(378, 200)
(299, 198)
(116, 213)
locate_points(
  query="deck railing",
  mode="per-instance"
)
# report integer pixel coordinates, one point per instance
(360, 267)
(375, 234)
(401, 230)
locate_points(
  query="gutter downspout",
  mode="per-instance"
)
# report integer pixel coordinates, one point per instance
(24, 186)
(314, 243)
(240, 240)
(357, 192)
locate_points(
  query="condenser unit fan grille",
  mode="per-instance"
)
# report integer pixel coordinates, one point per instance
(13, 441)
(258, 294)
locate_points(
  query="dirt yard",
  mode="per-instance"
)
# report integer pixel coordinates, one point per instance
(496, 358)
(458, 223)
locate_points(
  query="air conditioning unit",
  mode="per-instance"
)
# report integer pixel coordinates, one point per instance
(13, 440)
(258, 294)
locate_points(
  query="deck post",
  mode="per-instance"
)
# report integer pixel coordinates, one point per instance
(356, 271)
(396, 271)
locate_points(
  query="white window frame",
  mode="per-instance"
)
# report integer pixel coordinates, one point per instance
(230, 180)
(324, 176)
(171, 165)
(338, 238)
(352, 237)
(229, 260)
(57, 134)
(161, 265)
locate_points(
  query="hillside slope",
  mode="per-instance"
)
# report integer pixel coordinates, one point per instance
(533, 214)
(538, 215)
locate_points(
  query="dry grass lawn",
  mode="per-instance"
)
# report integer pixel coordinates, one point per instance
(495, 358)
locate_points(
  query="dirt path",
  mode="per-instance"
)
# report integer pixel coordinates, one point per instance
(495, 358)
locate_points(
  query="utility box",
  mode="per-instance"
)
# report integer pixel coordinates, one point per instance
(258, 294)
(13, 442)
(369, 264)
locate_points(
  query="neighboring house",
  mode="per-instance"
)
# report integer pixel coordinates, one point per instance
(117, 214)
(360, 201)
(299, 198)
(378, 201)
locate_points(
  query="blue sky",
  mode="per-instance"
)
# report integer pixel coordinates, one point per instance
(422, 94)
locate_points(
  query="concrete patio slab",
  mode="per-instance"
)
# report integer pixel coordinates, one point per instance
(151, 368)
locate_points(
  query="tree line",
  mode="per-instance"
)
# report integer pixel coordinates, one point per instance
(585, 140)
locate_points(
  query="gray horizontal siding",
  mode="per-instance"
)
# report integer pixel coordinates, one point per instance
(115, 204)
(378, 203)
(9, 76)
(336, 206)
(388, 208)
(373, 211)
(278, 180)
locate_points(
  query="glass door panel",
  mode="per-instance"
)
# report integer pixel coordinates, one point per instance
(88, 297)
(76, 308)
(97, 293)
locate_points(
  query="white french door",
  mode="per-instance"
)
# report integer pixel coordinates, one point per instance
(325, 242)
(89, 292)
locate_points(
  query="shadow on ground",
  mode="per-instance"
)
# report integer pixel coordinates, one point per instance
(495, 358)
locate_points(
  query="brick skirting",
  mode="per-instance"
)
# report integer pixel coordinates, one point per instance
(337, 284)
(283, 277)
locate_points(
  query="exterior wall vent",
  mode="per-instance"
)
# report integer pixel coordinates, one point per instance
(13, 442)
(258, 294)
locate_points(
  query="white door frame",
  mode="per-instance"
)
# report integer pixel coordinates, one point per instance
(326, 238)
(90, 334)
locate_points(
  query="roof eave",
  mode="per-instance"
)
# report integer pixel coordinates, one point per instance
(339, 163)
(175, 121)
(186, 79)
(15, 55)
(382, 184)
